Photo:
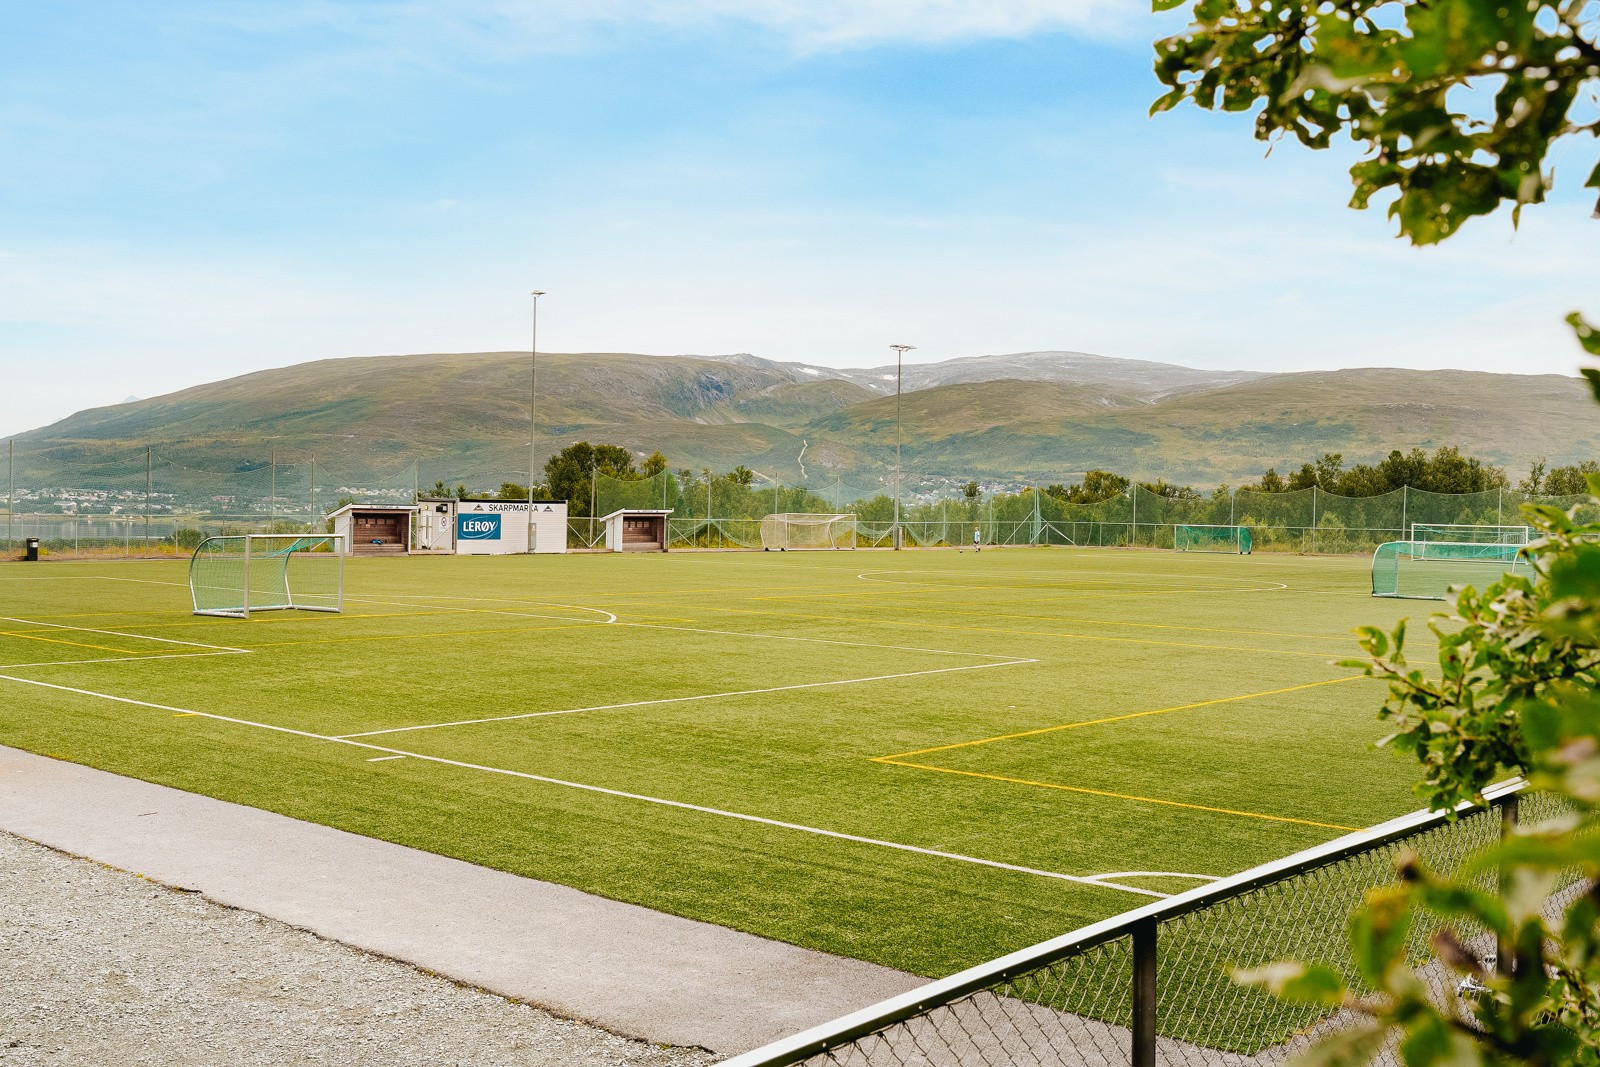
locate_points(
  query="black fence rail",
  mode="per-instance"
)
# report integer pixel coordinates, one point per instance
(1155, 986)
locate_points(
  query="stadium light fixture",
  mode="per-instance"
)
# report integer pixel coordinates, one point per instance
(899, 360)
(533, 412)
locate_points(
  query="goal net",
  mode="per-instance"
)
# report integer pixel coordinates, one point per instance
(785, 531)
(233, 576)
(1426, 570)
(1469, 533)
(1212, 539)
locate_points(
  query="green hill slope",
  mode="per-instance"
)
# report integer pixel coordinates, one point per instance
(463, 417)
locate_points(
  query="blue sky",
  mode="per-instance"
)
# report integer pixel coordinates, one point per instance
(196, 190)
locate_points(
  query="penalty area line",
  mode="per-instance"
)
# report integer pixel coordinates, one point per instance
(120, 633)
(132, 657)
(681, 805)
(684, 699)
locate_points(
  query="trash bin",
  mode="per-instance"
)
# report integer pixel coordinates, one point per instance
(33, 550)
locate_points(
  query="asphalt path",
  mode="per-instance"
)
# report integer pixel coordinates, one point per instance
(626, 969)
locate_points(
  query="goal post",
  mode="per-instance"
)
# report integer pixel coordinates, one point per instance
(232, 576)
(1428, 570)
(801, 530)
(1202, 538)
(1468, 533)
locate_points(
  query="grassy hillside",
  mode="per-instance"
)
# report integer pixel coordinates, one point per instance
(463, 417)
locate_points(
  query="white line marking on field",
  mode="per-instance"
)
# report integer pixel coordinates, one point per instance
(684, 699)
(380, 759)
(642, 798)
(609, 618)
(1156, 874)
(120, 633)
(132, 657)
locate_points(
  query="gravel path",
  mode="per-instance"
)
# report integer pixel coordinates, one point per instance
(104, 967)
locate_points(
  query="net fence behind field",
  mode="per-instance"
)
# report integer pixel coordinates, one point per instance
(164, 500)
(1155, 986)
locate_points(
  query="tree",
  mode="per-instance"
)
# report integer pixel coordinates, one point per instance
(571, 472)
(1533, 484)
(1095, 487)
(1459, 105)
(512, 491)
(655, 463)
(1405, 468)
(1411, 82)
(1568, 481)
(1304, 478)
(1271, 482)
(741, 475)
(1161, 487)
(972, 490)
(1363, 480)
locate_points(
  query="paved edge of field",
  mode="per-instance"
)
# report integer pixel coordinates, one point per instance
(631, 970)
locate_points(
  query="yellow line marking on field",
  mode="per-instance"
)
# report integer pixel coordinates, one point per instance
(185, 714)
(1118, 796)
(63, 641)
(1122, 718)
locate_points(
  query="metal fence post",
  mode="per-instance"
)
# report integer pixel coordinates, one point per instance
(1505, 958)
(1144, 994)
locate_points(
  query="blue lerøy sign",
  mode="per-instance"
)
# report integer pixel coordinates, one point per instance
(478, 527)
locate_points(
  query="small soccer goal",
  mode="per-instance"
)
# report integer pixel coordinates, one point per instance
(1191, 538)
(1426, 570)
(1468, 533)
(781, 532)
(236, 575)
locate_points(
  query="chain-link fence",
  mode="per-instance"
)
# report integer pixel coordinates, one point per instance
(1155, 986)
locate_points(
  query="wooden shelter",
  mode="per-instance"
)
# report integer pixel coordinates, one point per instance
(375, 529)
(634, 530)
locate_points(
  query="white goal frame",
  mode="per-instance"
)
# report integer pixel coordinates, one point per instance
(1236, 548)
(775, 530)
(337, 551)
(1451, 531)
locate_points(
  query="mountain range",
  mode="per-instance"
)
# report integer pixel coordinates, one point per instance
(1034, 417)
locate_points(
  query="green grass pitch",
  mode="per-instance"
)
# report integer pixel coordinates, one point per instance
(924, 759)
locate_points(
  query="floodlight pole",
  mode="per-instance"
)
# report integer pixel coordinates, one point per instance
(899, 361)
(533, 412)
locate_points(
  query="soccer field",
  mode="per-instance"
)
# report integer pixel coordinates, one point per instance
(924, 759)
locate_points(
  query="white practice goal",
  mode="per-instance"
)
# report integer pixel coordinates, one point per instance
(235, 575)
(785, 531)
(1468, 533)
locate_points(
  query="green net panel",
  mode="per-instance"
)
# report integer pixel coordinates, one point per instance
(1190, 538)
(235, 575)
(1427, 570)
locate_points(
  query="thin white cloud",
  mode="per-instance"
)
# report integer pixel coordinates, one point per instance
(805, 26)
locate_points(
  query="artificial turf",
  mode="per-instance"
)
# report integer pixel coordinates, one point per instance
(1095, 726)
